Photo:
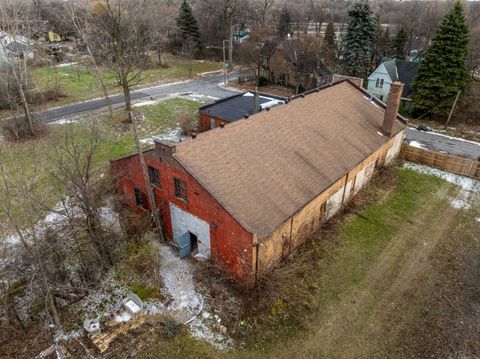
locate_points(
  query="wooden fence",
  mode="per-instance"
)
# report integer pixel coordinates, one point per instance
(445, 162)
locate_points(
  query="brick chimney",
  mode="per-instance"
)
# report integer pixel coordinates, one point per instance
(393, 103)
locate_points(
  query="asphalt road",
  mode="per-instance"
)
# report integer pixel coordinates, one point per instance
(207, 86)
(210, 86)
(442, 143)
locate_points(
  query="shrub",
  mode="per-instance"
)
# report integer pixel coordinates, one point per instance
(262, 81)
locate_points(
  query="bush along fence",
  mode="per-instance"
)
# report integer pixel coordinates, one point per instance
(443, 161)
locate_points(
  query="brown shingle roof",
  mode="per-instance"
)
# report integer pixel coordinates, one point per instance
(264, 169)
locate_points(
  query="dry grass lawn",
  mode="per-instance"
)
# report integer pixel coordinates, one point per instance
(397, 276)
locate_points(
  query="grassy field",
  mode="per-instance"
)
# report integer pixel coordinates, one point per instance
(393, 278)
(35, 158)
(78, 82)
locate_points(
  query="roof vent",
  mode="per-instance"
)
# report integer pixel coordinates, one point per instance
(246, 116)
(317, 89)
(222, 125)
(194, 135)
(268, 109)
(302, 95)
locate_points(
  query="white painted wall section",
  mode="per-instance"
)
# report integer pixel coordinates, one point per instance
(393, 151)
(334, 203)
(183, 222)
(348, 191)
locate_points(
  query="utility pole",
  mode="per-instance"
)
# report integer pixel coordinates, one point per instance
(453, 108)
(151, 197)
(225, 67)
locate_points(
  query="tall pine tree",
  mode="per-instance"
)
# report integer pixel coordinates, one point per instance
(187, 27)
(329, 46)
(443, 70)
(399, 42)
(357, 47)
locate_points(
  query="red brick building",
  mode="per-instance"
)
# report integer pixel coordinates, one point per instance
(246, 195)
(233, 108)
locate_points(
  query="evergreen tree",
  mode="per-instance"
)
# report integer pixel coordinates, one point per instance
(443, 70)
(329, 46)
(398, 45)
(284, 23)
(187, 27)
(357, 47)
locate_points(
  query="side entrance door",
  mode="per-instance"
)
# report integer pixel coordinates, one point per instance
(184, 244)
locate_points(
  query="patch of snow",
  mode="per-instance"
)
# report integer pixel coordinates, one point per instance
(107, 298)
(122, 317)
(202, 328)
(110, 219)
(272, 103)
(469, 187)
(174, 135)
(154, 308)
(461, 181)
(68, 64)
(177, 277)
(146, 103)
(62, 121)
(58, 217)
(61, 336)
(416, 144)
(459, 203)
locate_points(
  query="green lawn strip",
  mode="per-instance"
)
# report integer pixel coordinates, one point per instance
(342, 259)
(78, 82)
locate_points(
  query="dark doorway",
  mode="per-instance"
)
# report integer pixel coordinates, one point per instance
(193, 243)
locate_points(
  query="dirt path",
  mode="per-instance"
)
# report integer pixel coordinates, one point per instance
(370, 319)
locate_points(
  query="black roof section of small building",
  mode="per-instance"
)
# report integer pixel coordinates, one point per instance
(235, 107)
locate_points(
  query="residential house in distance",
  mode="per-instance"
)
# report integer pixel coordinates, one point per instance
(248, 194)
(389, 71)
(289, 67)
(233, 108)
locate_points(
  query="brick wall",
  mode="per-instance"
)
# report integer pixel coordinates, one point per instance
(204, 122)
(231, 245)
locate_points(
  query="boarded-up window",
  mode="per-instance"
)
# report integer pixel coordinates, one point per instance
(180, 189)
(139, 198)
(154, 175)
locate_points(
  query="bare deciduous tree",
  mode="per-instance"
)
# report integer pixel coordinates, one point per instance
(122, 38)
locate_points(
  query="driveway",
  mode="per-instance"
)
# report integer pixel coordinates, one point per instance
(442, 143)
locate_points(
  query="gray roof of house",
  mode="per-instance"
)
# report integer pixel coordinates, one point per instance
(403, 71)
(235, 107)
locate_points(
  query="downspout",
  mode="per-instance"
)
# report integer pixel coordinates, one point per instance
(345, 187)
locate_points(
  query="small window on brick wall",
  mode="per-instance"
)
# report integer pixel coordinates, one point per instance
(154, 174)
(139, 198)
(180, 189)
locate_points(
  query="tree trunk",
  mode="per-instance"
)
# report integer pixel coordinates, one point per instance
(26, 108)
(151, 196)
(126, 93)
